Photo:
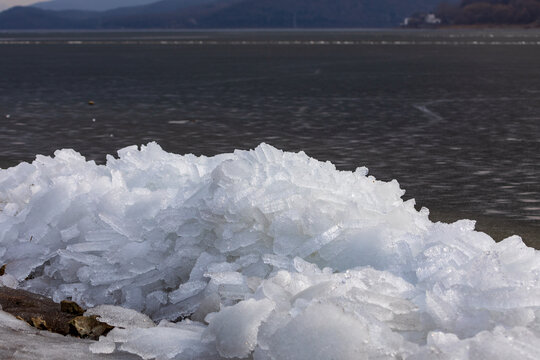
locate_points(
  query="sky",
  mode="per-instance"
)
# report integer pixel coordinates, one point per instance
(4, 4)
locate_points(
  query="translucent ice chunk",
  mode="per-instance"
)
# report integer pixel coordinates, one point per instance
(187, 290)
(234, 329)
(120, 317)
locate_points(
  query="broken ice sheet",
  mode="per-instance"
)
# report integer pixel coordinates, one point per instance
(178, 237)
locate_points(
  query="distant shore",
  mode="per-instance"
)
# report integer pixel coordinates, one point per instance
(489, 26)
(533, 26)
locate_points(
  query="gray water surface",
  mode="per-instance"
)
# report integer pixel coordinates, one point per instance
(454, 116)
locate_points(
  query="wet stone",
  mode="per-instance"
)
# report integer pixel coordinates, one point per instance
(39, 323)
(88, 327)
(71, 307)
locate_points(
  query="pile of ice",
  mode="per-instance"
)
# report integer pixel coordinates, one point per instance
(264, 254)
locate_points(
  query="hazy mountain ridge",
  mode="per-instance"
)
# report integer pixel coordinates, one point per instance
(225, 14)
(85, 5)
(20, 17)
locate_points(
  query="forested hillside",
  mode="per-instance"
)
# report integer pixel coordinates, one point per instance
(497, 12)
(213, 14)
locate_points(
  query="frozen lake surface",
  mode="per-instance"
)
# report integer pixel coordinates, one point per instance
(453, 115)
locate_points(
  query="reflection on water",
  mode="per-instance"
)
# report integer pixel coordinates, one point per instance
(454, 116)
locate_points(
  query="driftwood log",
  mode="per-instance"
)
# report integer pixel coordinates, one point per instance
(41, 312)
